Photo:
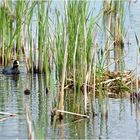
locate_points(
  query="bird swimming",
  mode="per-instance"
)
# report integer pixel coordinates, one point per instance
(12, 70)
(27, 92)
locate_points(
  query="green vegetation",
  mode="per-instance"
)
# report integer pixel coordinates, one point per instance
(65, 47)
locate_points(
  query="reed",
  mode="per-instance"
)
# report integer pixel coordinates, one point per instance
(107, 26)
(61, 105)
(113, 19)
(11, 28)
(19, 14)
(137, 62)
(5, 20)
(75, 17)
(41, 13)
(80, 36)
(66, 48)
(29, 31)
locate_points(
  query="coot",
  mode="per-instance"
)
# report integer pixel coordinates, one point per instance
(12, 70)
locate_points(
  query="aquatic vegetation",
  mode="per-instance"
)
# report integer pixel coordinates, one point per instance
(70, 50)
(65, 48)
(113, 23)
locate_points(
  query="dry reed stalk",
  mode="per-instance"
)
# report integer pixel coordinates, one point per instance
(111, 80)
(72, 113)
(107, 48)
(94, 74)
(116, 43)
(61, 105)
(24, 51)
(85, 67)
(87, 79)
(137, 62)
(29, 123)
(6, 113)
(26, 58)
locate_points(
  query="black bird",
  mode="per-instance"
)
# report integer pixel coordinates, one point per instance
(27, 92)
(12, 70)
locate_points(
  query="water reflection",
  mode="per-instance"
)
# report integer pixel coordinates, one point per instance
(29, 118)
(11, 100)
(111, 123)
(135, 110)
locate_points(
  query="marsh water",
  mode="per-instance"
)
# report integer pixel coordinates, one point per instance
(122, 122)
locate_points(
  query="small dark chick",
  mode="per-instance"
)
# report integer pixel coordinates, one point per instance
(27, 92)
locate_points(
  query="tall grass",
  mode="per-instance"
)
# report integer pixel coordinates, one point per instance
(66, 48)
(11, 26)
(6, 30)
(80, 58)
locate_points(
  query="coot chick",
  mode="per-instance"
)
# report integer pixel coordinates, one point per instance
(12, 70)
(27, 92)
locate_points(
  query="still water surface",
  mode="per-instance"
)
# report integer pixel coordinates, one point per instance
(123, 120)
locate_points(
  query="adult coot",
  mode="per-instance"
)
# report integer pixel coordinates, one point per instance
(12, 70)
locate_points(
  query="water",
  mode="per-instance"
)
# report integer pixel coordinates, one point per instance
(123, 120)
(132, 27)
